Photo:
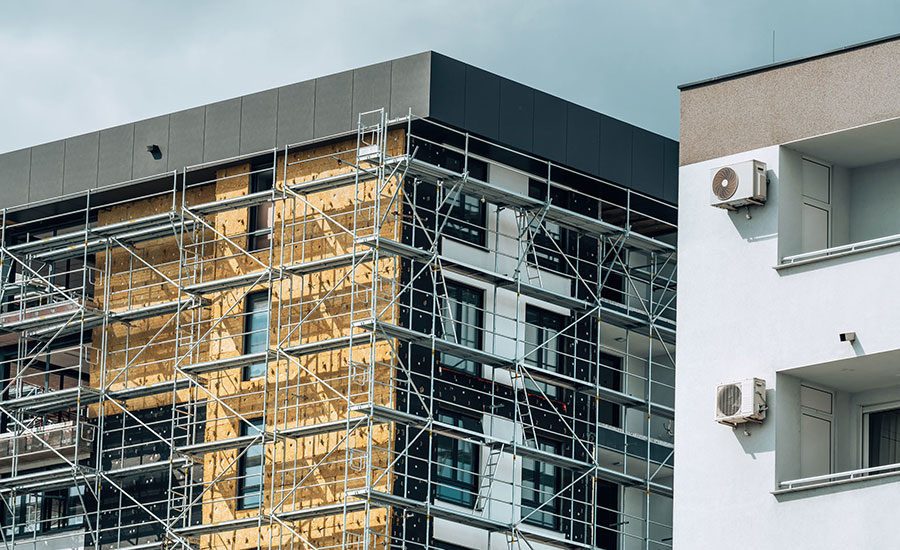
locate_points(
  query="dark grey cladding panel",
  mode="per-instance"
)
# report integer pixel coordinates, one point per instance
(186, 138)
(549, 127)
(482, 103)
(222, 132)
(82, 155)
(258, 121)
(615, 150)
(296, 112)
(116, 154)
(670, 171)
(582, 138)
(15, 171)
(153, 131)
(516, 114)
(47, 170)
(649, 158)
(448, 90)
(410, 85)
(334, 98)
(371, 90)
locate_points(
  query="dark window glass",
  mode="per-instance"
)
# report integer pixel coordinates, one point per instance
(456, 462)
(549, 238)
(467, 219)
(249, 490)
(540, 483)
(260, 222)
(613, 282)
(44, 512)
(467, 215)
(544, 346)
(610, 376)
(461, 313)
(884, 438)
(256, 328)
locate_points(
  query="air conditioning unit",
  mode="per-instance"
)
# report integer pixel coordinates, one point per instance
(738, 185)
(739, 402)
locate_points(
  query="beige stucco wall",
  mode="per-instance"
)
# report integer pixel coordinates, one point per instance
(791, 102)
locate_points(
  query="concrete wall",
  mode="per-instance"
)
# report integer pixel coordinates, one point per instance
(875, 200)
(738, 318)
(801, 100)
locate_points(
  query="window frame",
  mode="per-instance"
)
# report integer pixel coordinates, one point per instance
(548, 510)
(248, 371)
(469, 367)
(71, 501)
(543, 250)
(457, 491)
(260, 237)
(460, 227)
(865, 411)
(245, 491)
(561, 356)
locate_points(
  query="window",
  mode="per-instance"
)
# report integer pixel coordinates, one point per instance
(456, 462)
(256, 328)
(468, 219)
(882, 430)
(543, 346)
(44, 512)
(249, 490)
(260, 217)
(609, 375)
(256, 331)
(462, 323)
(549, 238)
(540, 483)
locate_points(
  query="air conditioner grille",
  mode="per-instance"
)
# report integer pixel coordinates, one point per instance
(725, 183)
(729, 401)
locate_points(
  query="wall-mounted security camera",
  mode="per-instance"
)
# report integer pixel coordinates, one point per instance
(154, 151)
(848, 337)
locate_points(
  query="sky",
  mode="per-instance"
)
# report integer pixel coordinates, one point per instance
(68, 68)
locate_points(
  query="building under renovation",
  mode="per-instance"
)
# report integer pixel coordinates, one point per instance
(413, 305)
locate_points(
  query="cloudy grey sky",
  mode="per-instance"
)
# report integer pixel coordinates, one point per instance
(72, 67)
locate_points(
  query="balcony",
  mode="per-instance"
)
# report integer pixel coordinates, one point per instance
(32, 448)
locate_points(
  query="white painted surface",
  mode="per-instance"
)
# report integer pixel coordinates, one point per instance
(739, 318)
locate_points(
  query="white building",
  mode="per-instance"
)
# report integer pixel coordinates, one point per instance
(768, 291)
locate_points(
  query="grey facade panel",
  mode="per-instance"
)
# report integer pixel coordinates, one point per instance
(116, 154)
(15, 171)
(448, 90)
(296, 112)
(47, 162)
(371, 90)
(186, 138)
(153, 131)
(670, 171)
(482, 103)
(222, 131)
(615, 150)
(549, 127)
(516, 114)
(582, 138)
(410, 85)
(334, 98)
(82, 158)
(258, 121)
(647, 166)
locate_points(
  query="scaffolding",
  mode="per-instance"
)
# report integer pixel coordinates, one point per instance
(266, 353)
